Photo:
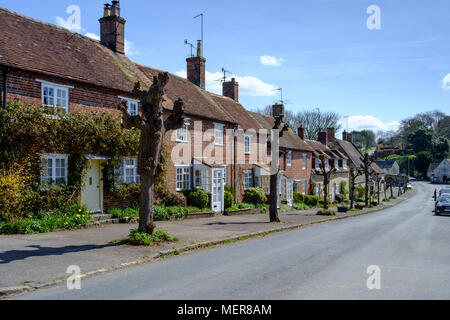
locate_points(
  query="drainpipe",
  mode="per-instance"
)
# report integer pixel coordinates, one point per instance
(5, 86)
(234, 163)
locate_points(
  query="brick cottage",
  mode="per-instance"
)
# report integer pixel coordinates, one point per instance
(43, 64)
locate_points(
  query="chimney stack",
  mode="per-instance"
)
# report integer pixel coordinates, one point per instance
(301, 132)
(350, 137)
(278, 110)
(344, 135)
(196, 67)
(322, 137)
(230, 89)
(112, 28)
(331, 134)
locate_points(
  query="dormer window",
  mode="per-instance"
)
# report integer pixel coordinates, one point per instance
(317, 163)
(336, 164)
(344, 164)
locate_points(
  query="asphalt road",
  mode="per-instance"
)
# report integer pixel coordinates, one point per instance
(408, 243)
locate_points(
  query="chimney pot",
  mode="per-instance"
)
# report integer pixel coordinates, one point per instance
(199, 48)
(107, 10)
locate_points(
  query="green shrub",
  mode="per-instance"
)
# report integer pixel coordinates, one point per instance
(299, 197)
(241, 206)
(255, 196)
(285, 208)
(339, 198)
(198, 198)
(360, 191)
(344, 190)
(312, 201)
(393, 197)
(300, 206)
(228, 199)
(324, 212)
(144, 239)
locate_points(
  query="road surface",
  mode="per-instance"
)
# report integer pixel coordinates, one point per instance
(408, 243)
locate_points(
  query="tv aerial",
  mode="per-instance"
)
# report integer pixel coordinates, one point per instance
(224, 78)
(191, 45)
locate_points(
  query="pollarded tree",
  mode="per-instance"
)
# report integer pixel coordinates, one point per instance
(273, 206)
(153, 128)
(354, 173)
(326, 174)
(367, 169)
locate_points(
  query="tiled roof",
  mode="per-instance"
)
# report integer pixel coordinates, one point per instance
(289, 139)
(237, 111)
(44, 48)
(352, 152)
(319, 149)
(385, 164)
(197, 101)
(376, 168)
(36, 46)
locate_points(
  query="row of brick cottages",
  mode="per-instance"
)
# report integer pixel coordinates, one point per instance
(43, 64)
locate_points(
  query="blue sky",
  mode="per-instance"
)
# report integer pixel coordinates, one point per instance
(319, 51)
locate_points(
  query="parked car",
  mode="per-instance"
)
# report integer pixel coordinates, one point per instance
(442, 205)
(444, 191)
(409, 186)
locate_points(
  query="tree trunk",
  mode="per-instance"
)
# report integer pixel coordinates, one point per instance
(273, 208)
(392, 191)
(352, 190)
(366, 190)
(146, 205)
(325, 194)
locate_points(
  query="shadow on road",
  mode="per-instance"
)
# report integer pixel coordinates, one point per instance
(14, 255)
(231, 223)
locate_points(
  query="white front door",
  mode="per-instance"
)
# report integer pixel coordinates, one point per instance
(217, 190)
(333, 192)
(289, 192)
(92, 189)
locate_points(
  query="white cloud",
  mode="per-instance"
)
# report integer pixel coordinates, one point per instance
(369, 123)
(271, 61)
(445, 83)
(93, 36)
(248, 85)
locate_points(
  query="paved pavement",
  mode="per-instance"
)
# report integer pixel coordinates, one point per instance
(324, 261)
(30, 259)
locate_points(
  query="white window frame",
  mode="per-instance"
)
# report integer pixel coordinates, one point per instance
(304, 159)
(248, 179)
(248, 144)
(205, 179)
(131, 102)
(182, 134)
(289, 158)
(336, 163)
(218, 138)
(304, 185)
(185, 170)
(135, 177)
(344, 163)
(317, 163)
(53, 177)
(327, 164)
(55, 87)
